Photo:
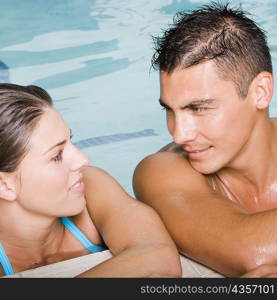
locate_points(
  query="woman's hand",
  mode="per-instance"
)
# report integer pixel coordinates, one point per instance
(132, 230)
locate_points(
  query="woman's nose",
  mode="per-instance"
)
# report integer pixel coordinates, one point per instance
(81, 160)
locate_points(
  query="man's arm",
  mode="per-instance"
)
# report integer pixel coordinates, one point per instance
(205, 226)
(132, 230)
(263, 271)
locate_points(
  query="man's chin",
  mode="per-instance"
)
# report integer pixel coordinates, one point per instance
(205, 168)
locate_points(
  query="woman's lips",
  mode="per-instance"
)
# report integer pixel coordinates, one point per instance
(78, 187)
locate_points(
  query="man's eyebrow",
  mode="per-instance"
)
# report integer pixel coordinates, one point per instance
(194, 102)
(162, 103)
(58, 144)
(202, 101)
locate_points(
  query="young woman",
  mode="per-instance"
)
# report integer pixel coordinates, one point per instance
(55, 207)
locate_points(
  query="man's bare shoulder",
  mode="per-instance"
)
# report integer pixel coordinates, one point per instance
(173, 148)
(166, 157)
(167, 169)
(171, 157)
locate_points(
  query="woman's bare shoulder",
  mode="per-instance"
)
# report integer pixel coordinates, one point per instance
(99, 180)
(92, 171)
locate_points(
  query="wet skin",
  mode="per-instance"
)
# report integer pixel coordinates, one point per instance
(224, 148)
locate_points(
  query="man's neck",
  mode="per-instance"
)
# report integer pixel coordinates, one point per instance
(252, 175)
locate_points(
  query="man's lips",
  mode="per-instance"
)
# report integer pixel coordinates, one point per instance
(197, 153)
(196, 150)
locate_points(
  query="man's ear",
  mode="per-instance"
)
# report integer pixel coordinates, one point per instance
(261, 89)
(7, 186)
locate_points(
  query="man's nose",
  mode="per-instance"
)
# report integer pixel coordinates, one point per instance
(184, 131)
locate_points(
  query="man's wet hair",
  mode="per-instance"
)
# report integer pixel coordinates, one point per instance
(217, 32)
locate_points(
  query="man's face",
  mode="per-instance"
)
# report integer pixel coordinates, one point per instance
(206, 116)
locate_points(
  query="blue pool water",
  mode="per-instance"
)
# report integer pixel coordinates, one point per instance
(93, 57)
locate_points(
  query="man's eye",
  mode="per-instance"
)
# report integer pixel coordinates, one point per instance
(198, 108)
(165, 108)
(58, 157)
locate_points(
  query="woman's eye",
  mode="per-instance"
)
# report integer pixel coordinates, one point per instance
(58, 157)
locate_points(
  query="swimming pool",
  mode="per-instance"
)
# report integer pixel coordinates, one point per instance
(93, 57)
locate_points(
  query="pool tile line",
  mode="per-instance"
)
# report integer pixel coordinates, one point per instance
(101, 140)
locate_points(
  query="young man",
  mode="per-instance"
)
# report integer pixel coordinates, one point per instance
(215, 185)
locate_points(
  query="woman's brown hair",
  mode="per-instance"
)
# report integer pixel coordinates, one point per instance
(20, 109)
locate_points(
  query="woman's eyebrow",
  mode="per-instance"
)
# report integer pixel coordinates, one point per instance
(58, 144)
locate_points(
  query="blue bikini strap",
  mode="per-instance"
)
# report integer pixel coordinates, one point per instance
(80, 236)
(4, 261)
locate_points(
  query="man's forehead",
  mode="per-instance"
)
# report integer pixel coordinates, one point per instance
(187, 92)
(197, 83)
(204, 67)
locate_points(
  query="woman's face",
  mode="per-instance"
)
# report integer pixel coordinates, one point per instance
(50, 175)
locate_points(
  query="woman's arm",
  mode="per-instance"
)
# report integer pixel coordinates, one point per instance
(132, 230)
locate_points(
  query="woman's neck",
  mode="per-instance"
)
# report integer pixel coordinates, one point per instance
(30, 242)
